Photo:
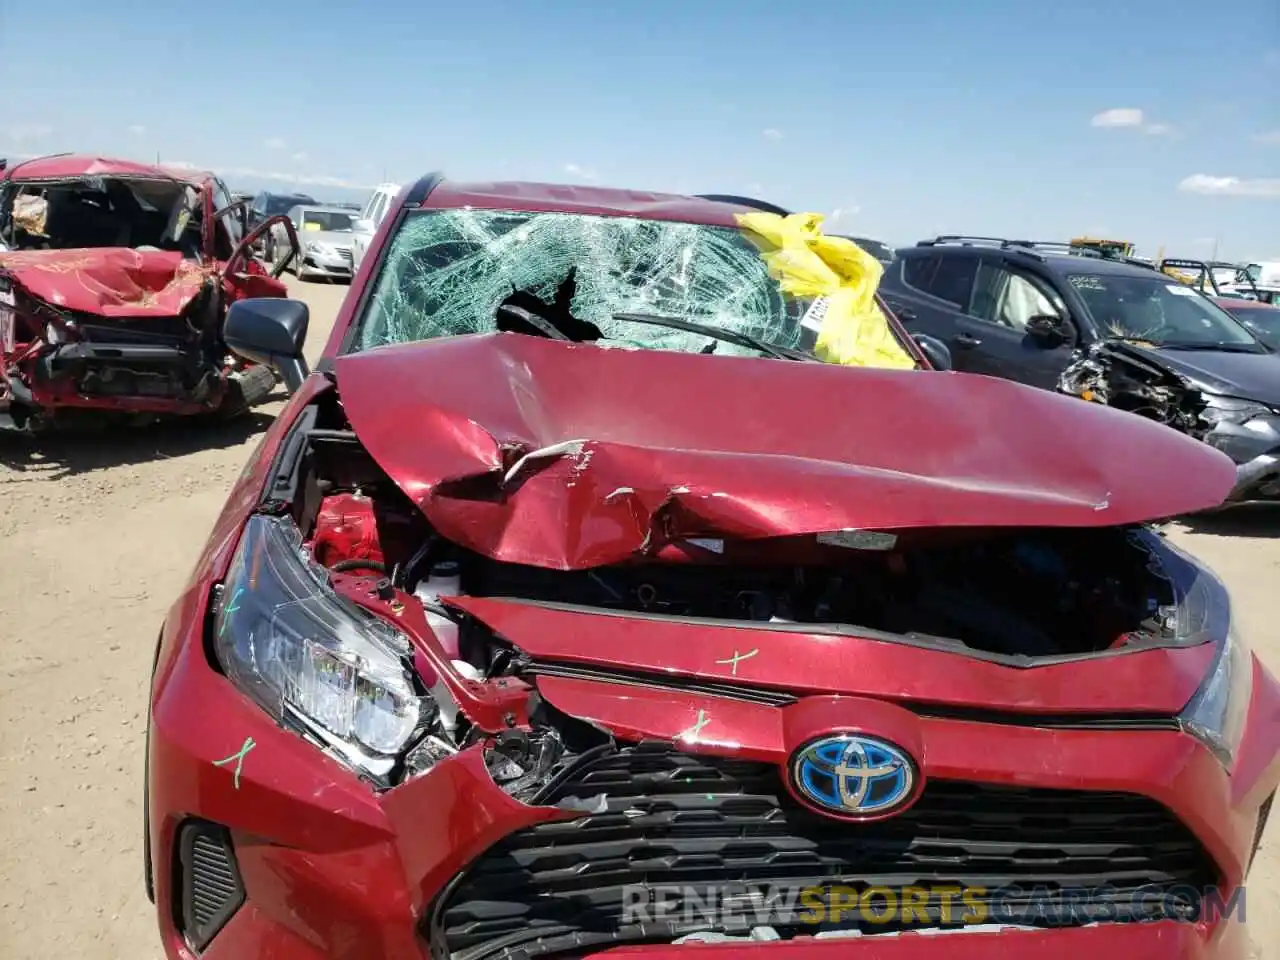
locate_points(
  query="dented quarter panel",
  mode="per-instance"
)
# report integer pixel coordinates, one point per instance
(570, 456)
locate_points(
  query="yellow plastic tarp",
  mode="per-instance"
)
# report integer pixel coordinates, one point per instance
(837, 274)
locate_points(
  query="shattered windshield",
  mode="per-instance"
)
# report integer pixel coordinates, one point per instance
(1159, 311)
(326, 220)
(447, 272)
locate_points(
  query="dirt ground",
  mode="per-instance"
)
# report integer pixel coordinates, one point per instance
(98, 539)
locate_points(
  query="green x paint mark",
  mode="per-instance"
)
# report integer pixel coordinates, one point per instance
(230, 608)
(238, 758)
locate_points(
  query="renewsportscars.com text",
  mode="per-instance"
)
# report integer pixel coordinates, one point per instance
(945, 905)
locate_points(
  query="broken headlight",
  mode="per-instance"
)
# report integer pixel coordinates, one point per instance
(1216, 714)
(1231, 409)
(311, 659)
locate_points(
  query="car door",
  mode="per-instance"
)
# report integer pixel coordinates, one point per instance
(929, 294)
(994, 326)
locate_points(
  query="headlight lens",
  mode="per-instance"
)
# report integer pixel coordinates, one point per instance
(1232, 409)
(308, 657)
(1216, 714)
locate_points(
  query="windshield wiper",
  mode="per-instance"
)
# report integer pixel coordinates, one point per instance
(728, 336)
(1220, 347)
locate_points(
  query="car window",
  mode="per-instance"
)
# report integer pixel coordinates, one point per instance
(1008, 298)
(447, 273)
(1155, 310)
(952, 280)
(231, 221)
(918, 271)
(380, 208)
(326, 220)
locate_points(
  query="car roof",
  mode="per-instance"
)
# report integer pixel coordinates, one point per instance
(70, 165)
(600, 201)
(323, 208)
(1056, 260)
(1101, 266)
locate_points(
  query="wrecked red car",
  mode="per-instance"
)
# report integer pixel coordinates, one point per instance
(569, 610)
(115, 279)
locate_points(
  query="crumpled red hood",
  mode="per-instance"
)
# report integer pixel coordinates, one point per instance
(111, 281)
(568, 456)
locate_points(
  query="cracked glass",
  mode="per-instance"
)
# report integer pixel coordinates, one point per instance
(448, 271)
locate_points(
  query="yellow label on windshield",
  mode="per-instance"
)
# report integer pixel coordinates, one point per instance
(311, 226)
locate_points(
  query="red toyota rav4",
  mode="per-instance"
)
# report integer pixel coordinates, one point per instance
(570, 608)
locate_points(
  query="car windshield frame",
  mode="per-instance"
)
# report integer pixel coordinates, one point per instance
(708, 273)
(1171, 314)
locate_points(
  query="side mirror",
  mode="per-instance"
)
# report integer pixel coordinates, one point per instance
(360, 225)
(1048, 328)
(271, 331)
(935, 351)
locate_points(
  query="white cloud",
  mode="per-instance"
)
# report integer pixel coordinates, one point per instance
(772, 134)
(1270, 136)
(27, 132)
(1118, 117)
(840, 214)
(1157, 129)
(275, 143)
(137, 129)
(1268, 188)
(582, 173)
(300, 156)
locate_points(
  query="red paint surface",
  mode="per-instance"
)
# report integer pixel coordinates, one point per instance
(1149, 681)
(67, 166)
(110, 282)
(679, 445)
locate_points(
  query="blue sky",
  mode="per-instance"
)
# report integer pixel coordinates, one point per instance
(1157, 122)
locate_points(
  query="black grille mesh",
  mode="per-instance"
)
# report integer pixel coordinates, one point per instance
(210, 882)
(673, 819)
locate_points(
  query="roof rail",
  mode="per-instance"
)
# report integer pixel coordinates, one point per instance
(1034, 248)
(764, 206)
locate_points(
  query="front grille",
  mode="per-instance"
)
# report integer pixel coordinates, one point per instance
(675, 820)
(346, 255)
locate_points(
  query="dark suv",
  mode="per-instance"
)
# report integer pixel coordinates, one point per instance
(1113, 331)
(266, 205)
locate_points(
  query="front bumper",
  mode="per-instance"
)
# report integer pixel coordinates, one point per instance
(327, 264)
(330, 869)
(1255, 448)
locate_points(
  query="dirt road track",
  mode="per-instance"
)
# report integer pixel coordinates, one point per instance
(98, 539)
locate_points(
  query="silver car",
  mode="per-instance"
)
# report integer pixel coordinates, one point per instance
(325, 235)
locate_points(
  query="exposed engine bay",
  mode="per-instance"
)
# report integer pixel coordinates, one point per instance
(1115, 373)
(1015, 593)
